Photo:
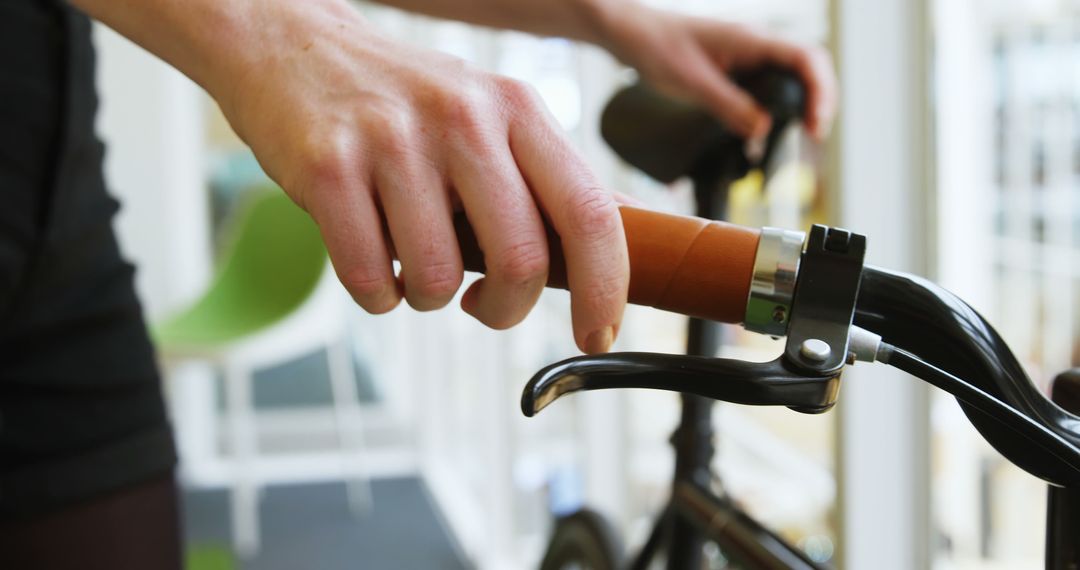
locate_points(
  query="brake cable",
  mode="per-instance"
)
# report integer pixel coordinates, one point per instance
(981, 400)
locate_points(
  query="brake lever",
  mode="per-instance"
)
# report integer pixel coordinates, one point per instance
(805, 377)
(779, 382)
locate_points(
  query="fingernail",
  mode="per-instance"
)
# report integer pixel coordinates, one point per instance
(599, 342)
(628, 200)
(762, 124)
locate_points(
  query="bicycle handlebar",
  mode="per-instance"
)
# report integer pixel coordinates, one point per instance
(682, 264)
(707, 269)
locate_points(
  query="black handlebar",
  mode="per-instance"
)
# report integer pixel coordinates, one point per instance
(928, 331)
(940, 328)
(943, 340)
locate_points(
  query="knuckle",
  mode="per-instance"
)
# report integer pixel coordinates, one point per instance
(393, 133)
(522, 103)
(504, 321)
(327, 164)
(467, 121)
(462, 112)
(694, 83)
(523, 263)
(601, 294)
(393, 148)
(370, 289)
(433, 286)
(516, 94)
(592, 214)
(391, 117)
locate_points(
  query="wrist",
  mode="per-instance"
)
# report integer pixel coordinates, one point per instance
(596, 19)
(217, 43)
(613, 22)
(185, 34)
(263, 33)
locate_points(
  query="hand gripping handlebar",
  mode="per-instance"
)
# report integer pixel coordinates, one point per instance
(681, 264)
(726, 273)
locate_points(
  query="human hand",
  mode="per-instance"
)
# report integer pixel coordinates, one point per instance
(381, 143)
(693, 58)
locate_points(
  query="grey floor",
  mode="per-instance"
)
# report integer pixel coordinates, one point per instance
(309, 527)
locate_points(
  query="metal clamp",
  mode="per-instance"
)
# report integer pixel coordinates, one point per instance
(772, 287)
(829, 275)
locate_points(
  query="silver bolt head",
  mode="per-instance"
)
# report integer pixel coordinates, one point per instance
(815, 349)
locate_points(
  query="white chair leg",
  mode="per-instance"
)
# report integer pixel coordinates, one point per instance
(347, 419)
(244, 498)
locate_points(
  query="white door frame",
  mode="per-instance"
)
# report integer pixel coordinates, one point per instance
(883, 165)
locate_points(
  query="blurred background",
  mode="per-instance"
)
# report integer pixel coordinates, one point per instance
(329, 438)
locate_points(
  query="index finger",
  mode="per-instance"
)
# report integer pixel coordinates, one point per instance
(587, 220)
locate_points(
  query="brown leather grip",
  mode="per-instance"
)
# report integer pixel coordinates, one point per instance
(681, 264)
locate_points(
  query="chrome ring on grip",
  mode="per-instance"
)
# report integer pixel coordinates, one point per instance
(776, 268)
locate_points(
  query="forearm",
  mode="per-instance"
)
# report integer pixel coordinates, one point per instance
(380, 142)
(585, 20)
(215, 41)
(212, 41)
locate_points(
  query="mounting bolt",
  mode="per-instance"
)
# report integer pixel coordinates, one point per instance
(815, 349)
(779, 314)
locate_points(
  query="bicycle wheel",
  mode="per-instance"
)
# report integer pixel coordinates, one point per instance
(582, 541)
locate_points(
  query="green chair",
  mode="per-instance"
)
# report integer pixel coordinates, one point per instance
(274, 262)
(273, 299)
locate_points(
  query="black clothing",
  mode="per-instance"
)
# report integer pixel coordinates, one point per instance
(136, 528)
(81, 410)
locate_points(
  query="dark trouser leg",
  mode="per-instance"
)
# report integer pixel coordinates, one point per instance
(134, 528)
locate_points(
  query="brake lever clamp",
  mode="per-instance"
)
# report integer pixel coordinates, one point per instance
(805, 378)
(823, 304)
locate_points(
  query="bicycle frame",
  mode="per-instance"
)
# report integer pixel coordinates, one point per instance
(882, 316)
(1063, 503)
(869, 315)
(1062, 528)
(695, 513)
